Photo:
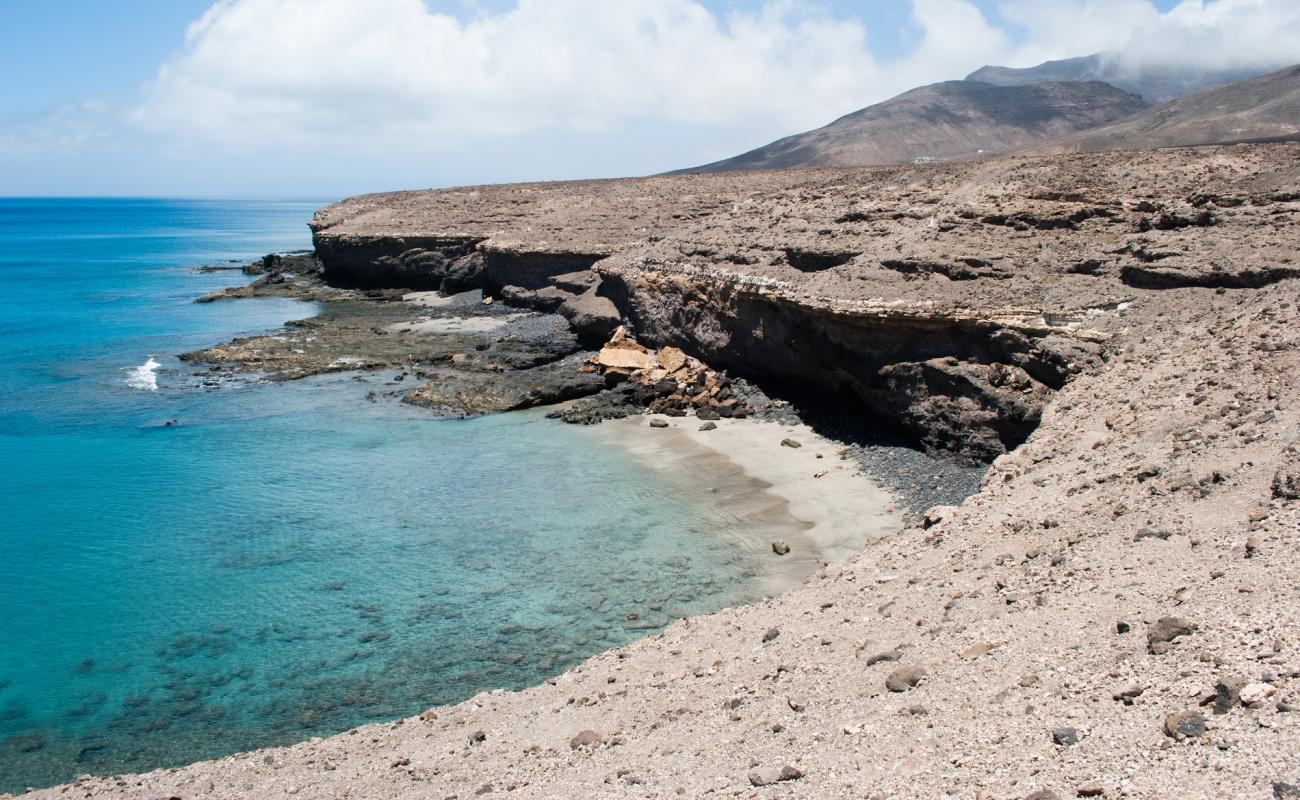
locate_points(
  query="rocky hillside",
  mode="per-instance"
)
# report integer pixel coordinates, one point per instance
(1155, 83)
(944, 121)
(1263, 108)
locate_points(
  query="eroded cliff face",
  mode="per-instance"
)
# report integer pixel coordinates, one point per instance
(944, 303)
(964, 385)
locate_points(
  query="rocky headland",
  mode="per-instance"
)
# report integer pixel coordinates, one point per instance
(1114, 338)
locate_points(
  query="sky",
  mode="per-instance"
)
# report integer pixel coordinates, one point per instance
(326, 98)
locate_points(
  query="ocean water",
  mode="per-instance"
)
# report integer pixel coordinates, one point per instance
(286, 560)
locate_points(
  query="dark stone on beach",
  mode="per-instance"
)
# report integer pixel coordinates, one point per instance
(1227, 694)
(476, 738)
(709, 426)
(658, 423)
(780, 547)
(1185, 725)
(587, 738)
(1286, 791)
(794, 443)
(707, 413)
(771, 634)
(1065, 737)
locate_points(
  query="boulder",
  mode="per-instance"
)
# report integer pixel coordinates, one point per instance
(624, 358)
(672, 359)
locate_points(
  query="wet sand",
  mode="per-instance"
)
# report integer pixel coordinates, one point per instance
(825, 508)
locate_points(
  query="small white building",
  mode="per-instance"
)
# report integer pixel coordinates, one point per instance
(923, 160)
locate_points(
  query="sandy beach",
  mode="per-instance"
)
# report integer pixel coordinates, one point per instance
(821, 504)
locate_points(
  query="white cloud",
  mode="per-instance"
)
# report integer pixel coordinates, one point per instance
(332, 95)
(391, 69)
(1204, 33)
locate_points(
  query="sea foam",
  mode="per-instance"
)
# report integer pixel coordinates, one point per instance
(144, 376)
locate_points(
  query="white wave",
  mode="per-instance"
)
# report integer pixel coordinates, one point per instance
(144, 376)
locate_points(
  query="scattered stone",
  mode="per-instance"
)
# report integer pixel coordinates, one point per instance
(477, 737)
(1253, 695)
(429, 716)
(976, 650)
(780, 547)
(1065, 737)
(884, 655)
(1162, 633)
(1151, 533)
(1043, 794)
(904, 678)
(771, 634)
(658, 423)
(1286, 483)
(796, 444)
(587, 738)
(1091, 790)
(1286, 791)
(1227, 693)
(709, 426)
(765, 776)
(1185, 725)
(401, 761)
(1128, 694)
(1253, 546)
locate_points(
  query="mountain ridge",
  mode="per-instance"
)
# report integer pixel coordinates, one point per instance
(947, 120)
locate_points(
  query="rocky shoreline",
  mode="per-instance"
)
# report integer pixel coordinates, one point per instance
(1114, 338)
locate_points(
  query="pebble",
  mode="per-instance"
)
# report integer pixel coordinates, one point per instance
(1185, 725)
(904, 678)
(1065, 736)
(795, 443)
(709, 426)
(771, 634)
(587, 738)
(1162, 633)
(658, 423)
(780, 547)
(1254, 694)
(765, 776)
(1227, 693)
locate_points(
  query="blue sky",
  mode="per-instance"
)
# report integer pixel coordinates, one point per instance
(112, 98)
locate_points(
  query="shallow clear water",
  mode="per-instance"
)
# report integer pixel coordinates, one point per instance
(289, 560)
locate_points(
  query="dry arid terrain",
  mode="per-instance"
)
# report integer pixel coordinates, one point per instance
(1115, 613)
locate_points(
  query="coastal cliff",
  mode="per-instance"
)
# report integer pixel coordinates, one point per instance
(1112, 614)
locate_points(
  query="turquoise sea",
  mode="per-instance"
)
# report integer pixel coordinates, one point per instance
(288, 560)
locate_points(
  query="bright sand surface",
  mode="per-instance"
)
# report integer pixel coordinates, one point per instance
(823, 506)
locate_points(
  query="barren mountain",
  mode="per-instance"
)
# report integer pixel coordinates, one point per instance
(1263, 108)
(954, 119)
(1155, 83)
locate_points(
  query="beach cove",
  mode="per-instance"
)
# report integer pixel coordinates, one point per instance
(283, 560)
